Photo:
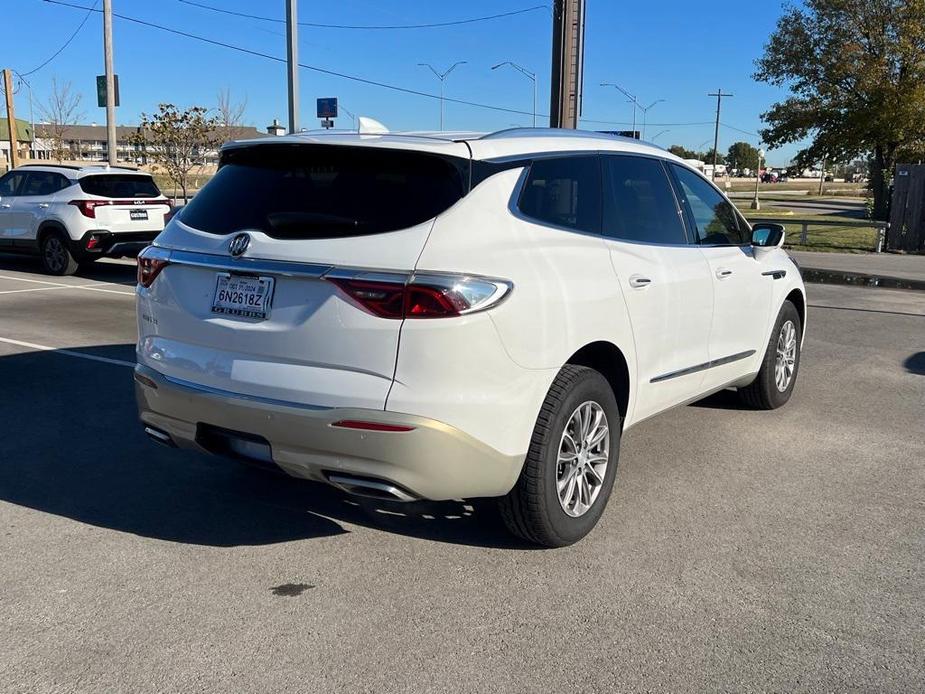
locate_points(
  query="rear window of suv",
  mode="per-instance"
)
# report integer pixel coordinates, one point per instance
(325, 191)
(120, 186)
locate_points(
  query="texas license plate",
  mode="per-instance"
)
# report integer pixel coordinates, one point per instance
(242, 295)
(137, 215)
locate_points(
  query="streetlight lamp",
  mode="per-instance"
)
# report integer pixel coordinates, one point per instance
(645, 112)
(524, 71)
(442, 77)
(629, 96)
(756, 205)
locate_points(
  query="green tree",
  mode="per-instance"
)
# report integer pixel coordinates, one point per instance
(743, 156)
(177, 141)
(707, 157)
(683, 152)
(856, 73)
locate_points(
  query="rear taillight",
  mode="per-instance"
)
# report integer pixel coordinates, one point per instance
(150, 263)
(88, 207)
(425, 296)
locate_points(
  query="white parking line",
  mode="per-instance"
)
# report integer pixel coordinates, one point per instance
(68, 352)
(89, 287)
(32, 289)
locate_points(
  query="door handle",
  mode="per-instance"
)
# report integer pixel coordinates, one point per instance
(639, 282)
(723, 273)
(43, 205)
(6, 206)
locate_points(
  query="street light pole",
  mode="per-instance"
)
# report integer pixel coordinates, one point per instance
(756, 205)
(645, 114)
(442, 77)
(524, 71)
(629, 96)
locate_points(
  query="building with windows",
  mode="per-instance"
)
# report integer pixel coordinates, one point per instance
(25, 141)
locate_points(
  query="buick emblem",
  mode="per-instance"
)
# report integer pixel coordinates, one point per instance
(239, 244)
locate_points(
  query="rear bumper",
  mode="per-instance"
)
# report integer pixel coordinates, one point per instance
(113, 244)
(433, 461)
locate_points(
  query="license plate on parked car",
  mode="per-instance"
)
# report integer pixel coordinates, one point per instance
(138, 214)
(241, 295)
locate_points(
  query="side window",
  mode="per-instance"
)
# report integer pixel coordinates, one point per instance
(564, 191)
(639, 204)
(713, 216)
(42, 183)
(11, 183)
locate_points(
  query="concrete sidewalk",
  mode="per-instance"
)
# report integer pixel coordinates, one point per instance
(907, 267)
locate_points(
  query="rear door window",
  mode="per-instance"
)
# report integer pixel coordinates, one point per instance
(639, 204)
(120, 186)
(325, 191)
(43, 183)
(564, 192)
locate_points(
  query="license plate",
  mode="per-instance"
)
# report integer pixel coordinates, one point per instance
(242, 295)
(138, 214)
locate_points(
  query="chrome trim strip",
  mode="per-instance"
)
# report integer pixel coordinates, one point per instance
(284, 268)
(208, 390)
(776, 274)
(703, 367)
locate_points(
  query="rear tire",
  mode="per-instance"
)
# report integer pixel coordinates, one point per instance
(567, 477)
(57, 258)
(778, 374)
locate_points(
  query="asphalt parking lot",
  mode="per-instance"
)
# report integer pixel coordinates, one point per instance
(741, 550)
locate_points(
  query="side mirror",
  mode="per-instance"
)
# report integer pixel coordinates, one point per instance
(767, 235)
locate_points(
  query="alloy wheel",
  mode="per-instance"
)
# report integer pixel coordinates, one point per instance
(786, 356)
(584, 453)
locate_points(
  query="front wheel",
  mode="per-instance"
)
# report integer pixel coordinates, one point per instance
(57, 258)
(778, 374)
(571, 464)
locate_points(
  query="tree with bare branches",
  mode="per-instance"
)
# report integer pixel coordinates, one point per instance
(230, 114)
(61, 112)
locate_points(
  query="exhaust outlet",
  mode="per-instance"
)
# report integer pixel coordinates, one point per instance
(374, 489)
(160, 437)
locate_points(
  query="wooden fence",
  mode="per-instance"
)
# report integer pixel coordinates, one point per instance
(907, 210)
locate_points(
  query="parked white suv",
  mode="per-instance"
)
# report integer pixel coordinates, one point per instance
(423, 317)
(70, 215)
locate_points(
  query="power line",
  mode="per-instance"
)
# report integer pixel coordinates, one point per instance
(739, 130)
(66, 43)
(318, 25)
(334, 73)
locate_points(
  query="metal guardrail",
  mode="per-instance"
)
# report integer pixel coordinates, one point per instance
(805, 223)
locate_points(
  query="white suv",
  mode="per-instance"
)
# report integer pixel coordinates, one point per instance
(423, 317)
(70, 215)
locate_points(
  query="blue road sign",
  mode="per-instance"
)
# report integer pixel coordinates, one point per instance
(327, 108)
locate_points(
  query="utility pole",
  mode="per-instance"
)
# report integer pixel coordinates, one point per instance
(719, 101)
(568, 49)
(110, 82)
(12, 130)
(292, 57)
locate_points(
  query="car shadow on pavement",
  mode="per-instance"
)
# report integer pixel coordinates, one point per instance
(72, 446)
(121, 272)
(723, 400)
(915, 363)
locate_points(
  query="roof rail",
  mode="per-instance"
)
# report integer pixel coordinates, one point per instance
(56, 166)
(554, 132)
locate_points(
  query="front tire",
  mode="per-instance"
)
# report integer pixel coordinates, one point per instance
(57, 258)
(778, 374)
(570, 467)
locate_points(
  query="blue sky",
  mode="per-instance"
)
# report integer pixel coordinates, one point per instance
(675, 50)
